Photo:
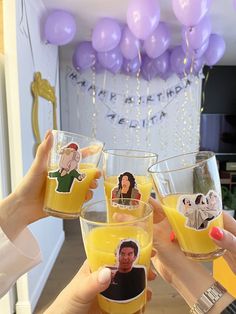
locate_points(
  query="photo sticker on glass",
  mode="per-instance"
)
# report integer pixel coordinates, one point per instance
(199, 209)
(67, 173)
(126, 191)
(128, 280)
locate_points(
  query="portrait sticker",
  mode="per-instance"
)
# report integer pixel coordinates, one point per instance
(199, 209)
(125, 190)
(68, 171)
(128, 279)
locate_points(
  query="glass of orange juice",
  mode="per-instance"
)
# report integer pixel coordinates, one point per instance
(189, 189)
(126, 176)
(125, 247)
(72, 166)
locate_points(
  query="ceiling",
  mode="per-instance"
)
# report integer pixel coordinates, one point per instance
(88, 12)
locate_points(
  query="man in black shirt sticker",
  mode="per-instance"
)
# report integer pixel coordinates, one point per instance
(128, 281)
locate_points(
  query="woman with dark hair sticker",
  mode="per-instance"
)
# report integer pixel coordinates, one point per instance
(126, 189)
(128, 281)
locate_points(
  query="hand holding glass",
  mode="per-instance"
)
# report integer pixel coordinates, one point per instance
(189, 189)
(125, 247)
(72, 166)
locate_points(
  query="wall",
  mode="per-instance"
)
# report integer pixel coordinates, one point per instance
(167, 124)
(1, 28)
(26, 53)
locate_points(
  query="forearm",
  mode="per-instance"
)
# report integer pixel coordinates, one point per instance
(193, 282)
(12, 220)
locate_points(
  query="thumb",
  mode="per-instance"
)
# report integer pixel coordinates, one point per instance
(223, 239)
(92, 283)
(42, 154)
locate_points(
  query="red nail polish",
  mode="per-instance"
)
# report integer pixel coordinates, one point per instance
(216, 233)
(172, 236)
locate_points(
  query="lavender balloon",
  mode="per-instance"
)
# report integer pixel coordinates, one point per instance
(148, 69)
(143, 17)
(108, 59)
(157, 43)
(118, 65)
(131, 66)
(179, 62)
(162, 63)
(234, 4)
(197, 65)
(129, 44)
(84, 56)
(197, 35)
(195, 53)
(106, 35)
(190, 12)
(215, 50)
(59, 28)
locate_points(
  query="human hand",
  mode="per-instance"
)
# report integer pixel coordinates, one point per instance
(79, 296)
(226, 239)
(25, 204)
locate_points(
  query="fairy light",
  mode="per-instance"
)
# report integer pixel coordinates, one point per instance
(127, 108)
(137, 130)
(148, 127)
(94, 113)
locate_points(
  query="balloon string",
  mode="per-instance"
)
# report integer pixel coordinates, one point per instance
(204, 90)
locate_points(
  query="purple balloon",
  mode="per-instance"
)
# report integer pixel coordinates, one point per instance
(98, 67)
(197, 65)
(106, 35)
(158, 41)
(162, 63)
(59, 28)
(190, 12)
(195, 53)
(84, 56)
(118, 65)
(197, 35)
(179, 62)
(143, 17)
(129, 44)
(131, 66)
(215, 50)
(148, 69)
(108, 59)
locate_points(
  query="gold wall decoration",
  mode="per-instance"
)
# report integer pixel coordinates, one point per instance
(41, 88)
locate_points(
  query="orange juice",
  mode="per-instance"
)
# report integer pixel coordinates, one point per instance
(69, 203)
(191, 241)
(101, 245)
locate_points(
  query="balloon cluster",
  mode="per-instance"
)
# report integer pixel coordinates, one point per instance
(143, 44)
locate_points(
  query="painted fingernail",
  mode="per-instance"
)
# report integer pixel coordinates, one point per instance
(216, 233)
(104, 275)
(172, 236)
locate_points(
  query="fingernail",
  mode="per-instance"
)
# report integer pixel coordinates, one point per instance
(104, 276)
(172, 236)
(216, 233)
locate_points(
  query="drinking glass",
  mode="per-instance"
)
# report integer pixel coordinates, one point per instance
(72, 166)
(126, 176)
(125, 247)
(189, 189)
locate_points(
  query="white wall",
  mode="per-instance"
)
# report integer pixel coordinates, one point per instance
(176, 132)
(25, 54)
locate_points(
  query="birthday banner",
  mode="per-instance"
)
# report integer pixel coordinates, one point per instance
(111, 97)
(113, 100)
